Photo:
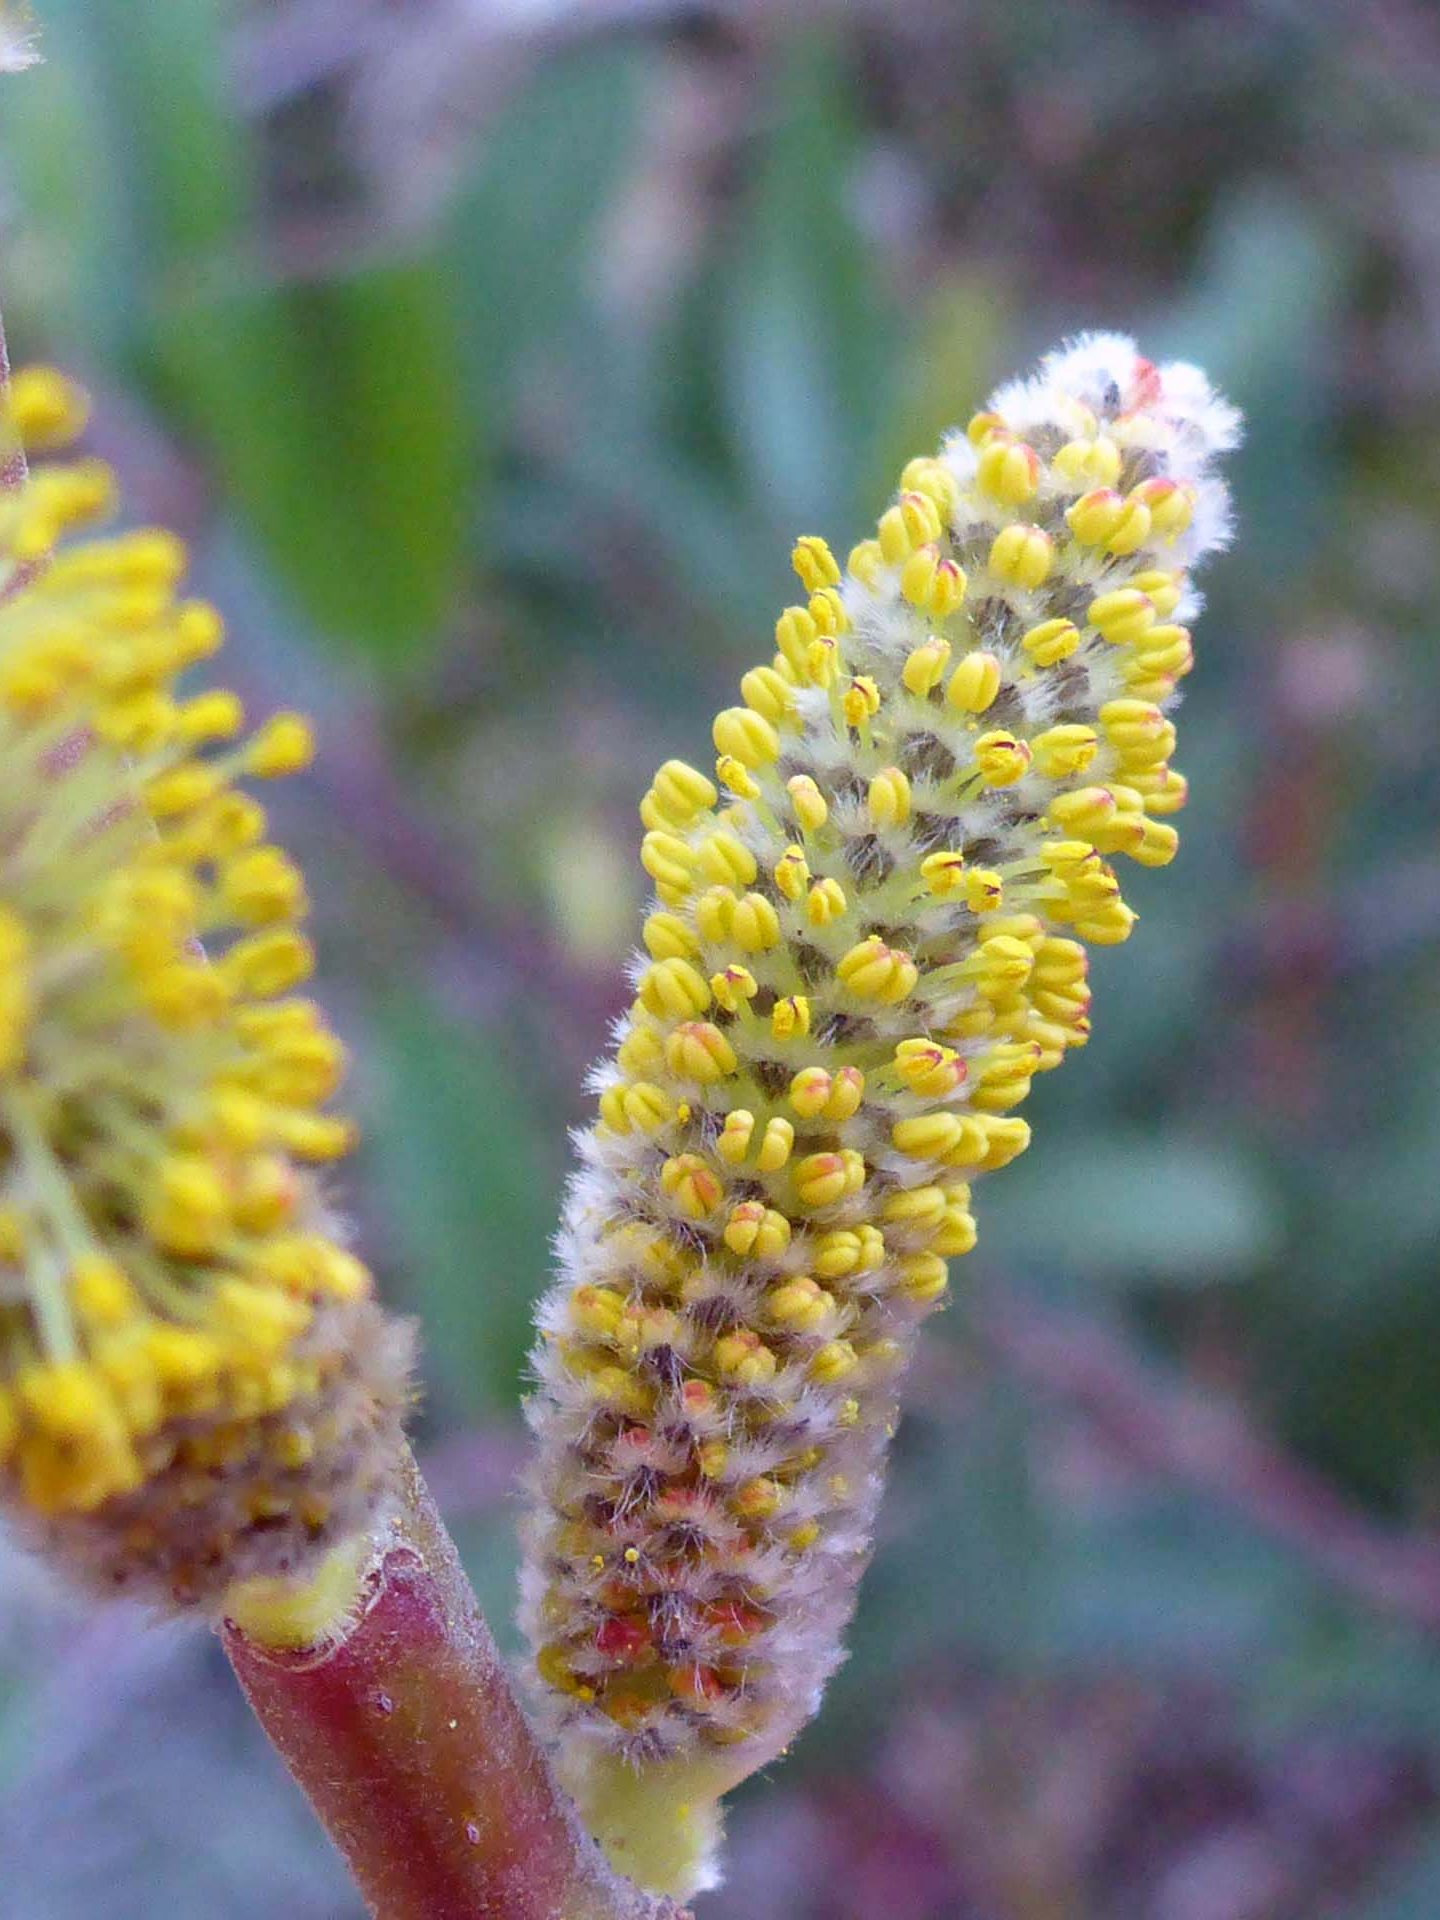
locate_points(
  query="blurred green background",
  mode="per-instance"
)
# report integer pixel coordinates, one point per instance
(490, 356)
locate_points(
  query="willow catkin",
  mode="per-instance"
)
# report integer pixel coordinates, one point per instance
(858, 959)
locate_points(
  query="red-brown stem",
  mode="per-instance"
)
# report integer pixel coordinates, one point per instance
(410, 1745)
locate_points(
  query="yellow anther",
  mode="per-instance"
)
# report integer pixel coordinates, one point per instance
(755, 1231)
(913, 521)
(735, 1136)
(800, 1305)
(1158, 846)
(1163, 589)
(682, 791)
(957, 1234)
(733, 987)
(1008, 470)
(1061, 752)
(726, 859)
(919, 1208)
(823, 1178)
(597, 1310)
(861, 701)
(765, 692)
(1021, 556)
(758, 1500)
(792, 873)
(889, 799)
(927, 1136)
(928, 1068)
(736, 778)
(983, 427)
(48, 410)
(866, 562)
(984, 890)
(924, 669)
(744, 1358)
(834, 1361)
(694, 1187)
(825, 903)
(747, 736)
(822, 662)
(943, 873)
(1108, 926)
(1122, 616)
(697, 1050)
(776, 1145)
(755, 925)
(1171, 506)
(790, 1017)
(669, 861)
(810, 1092)
(930, 476)
(873, 971)
(1051, 642)
(188, 1209)
(284, 745)
(974, 683)
(933, 582)
(673, 990)
(923, 1278)
(643, 1050)
(814, 563)
(811, 812)
(1000, 966)
(1001, 758)
(262, 886)
(1085, 464)
(827, 610)
(210, 716)
(1164, 791)
(715, 914)
(846, 1094)
(668, 937)
(795, 634)
(102, 1294)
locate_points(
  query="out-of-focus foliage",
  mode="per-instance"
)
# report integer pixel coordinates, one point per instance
(491, 356)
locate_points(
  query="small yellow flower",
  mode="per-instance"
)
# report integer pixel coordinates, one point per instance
(195, 1385)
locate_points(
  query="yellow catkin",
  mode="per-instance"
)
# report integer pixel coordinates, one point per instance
(917, 852)
(196, 1385)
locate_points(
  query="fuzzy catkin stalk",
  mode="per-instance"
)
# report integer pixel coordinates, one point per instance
(857, 961)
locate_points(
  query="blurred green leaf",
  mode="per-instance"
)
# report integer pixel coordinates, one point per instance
(77, 261)
(1134, 1211)
(188, 159)
(331, 413)
(809, 351)
(524, 222)
(468, 1184)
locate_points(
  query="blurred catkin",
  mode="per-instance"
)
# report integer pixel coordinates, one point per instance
(195, 1383)
(858, 959)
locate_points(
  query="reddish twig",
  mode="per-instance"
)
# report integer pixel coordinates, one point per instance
(1177, 1431)
(408, 1740)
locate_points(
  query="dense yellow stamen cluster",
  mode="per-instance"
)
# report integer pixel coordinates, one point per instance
(192, 1374)
(869, 938)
